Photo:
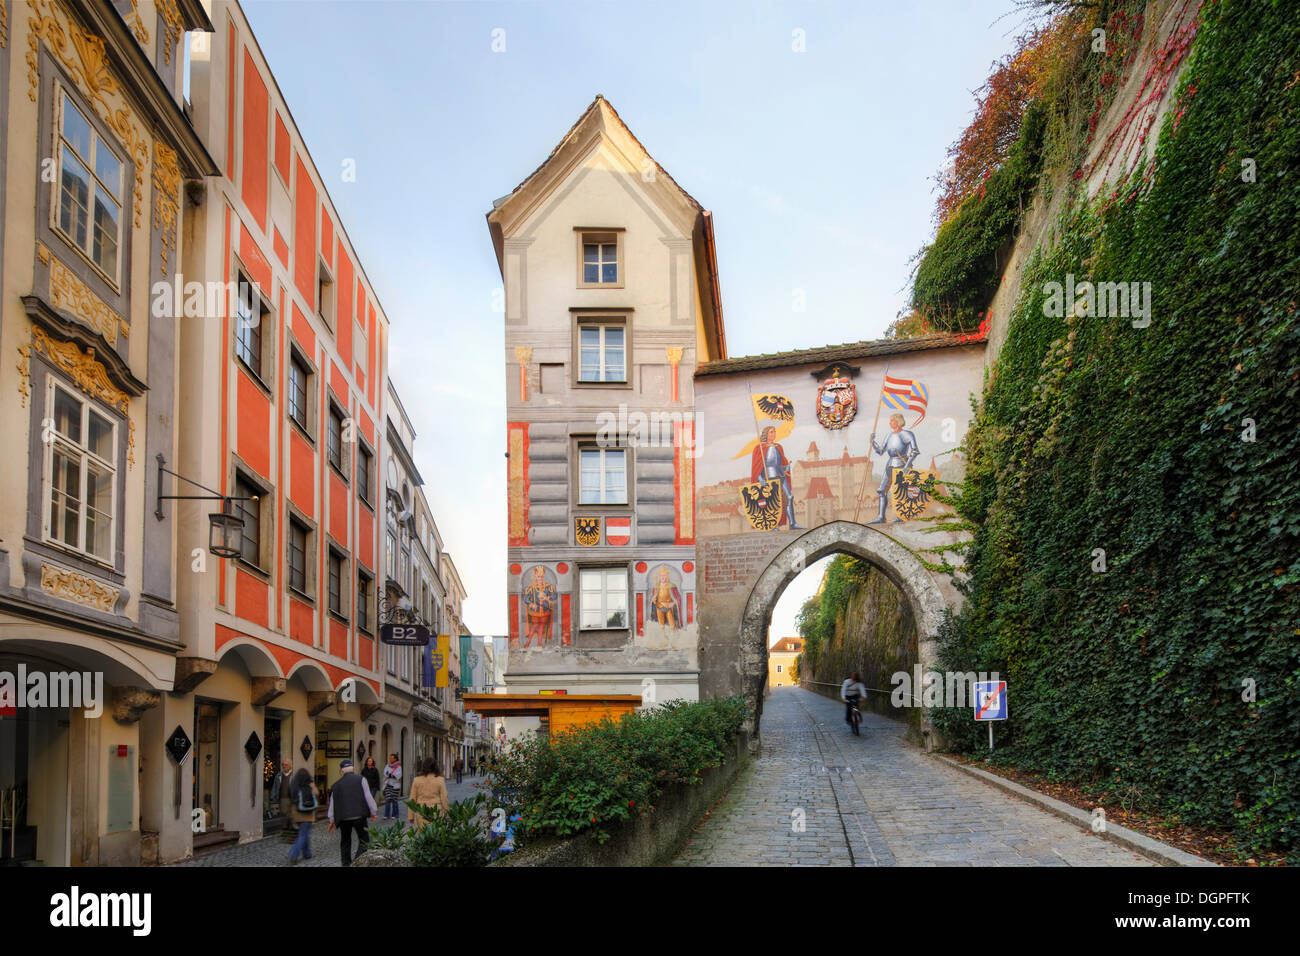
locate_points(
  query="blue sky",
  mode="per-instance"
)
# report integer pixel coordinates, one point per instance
(818, 167)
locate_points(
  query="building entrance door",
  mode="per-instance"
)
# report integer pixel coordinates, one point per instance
(34, 787)
(333, 745)
(206, 762)
(277, 736)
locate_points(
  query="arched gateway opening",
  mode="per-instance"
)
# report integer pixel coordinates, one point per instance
(895, 561)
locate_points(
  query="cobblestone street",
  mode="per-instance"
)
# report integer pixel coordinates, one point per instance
(818, 796)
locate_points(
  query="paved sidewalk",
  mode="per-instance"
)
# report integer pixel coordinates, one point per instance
(818, 796)
(272, 851)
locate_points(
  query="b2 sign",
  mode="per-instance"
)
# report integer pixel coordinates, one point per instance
(408, 635)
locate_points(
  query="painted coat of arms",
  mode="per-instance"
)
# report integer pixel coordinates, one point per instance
(764, 503)
(837, 398)
(912, 492)
(587, 531)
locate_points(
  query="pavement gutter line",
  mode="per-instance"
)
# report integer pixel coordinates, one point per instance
(839, 810)
(1137, 842)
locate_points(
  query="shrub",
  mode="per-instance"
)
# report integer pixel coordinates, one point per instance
(458, 837)
(594, 777)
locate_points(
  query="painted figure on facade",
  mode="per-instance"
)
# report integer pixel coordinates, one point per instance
(665, 599)
(768, 462)
(539, 607)
(901, 449)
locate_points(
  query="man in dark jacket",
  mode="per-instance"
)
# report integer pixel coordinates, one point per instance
(349, 800)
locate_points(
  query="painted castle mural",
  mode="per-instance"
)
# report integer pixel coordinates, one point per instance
(872, 440)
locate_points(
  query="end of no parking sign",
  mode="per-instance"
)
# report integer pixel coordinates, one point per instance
(991, 700)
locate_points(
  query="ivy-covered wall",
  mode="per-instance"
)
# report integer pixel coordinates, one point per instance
(1135, 571)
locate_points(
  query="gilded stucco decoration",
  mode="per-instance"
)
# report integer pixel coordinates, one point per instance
(69, 293)
(24, 374)
(78, 588)
(137, 24)
(84, 57)
(166, 190)
(171, 15)
(4, 23)
(86, 371)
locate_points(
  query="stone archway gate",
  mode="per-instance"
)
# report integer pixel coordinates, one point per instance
(807, 418)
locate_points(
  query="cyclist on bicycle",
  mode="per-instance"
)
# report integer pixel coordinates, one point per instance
(852, 691)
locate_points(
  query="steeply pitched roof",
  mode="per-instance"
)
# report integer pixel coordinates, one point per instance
(600, 116)
(581, 122)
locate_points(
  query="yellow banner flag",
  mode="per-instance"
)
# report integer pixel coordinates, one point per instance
(444, 658)
(770, 410)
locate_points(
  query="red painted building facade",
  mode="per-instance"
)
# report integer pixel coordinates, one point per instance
(282, 364)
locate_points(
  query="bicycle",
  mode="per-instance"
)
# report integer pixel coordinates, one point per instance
(855, 716)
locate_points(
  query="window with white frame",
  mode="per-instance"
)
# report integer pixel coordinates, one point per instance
(778, 668)
(90, 187)
(602, 475)
(602, 352)
(81, 473)
(603, 593)
(599, 265)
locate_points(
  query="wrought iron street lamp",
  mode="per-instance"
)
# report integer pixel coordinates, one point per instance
(225, 527)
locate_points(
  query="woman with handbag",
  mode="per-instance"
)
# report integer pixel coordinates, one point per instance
(392, 786)
(302, 793)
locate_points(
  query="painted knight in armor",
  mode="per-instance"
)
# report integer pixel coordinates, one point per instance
(902, 450)
(768, 461)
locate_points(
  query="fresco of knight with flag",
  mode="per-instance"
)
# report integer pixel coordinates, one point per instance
(910, 489)
(768, 500)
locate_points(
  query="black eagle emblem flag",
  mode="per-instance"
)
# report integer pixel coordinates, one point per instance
(764, 503)
(587, 531)
(776, 407)
(913, 492)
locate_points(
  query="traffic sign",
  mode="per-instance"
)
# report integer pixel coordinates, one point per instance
(991, 700)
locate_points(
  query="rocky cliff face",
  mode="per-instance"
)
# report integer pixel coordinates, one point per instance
(875, 636)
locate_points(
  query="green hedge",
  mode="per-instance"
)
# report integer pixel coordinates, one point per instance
(1095, 434)
(594, 777)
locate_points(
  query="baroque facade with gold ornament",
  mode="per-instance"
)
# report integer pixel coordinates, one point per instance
(96, 153)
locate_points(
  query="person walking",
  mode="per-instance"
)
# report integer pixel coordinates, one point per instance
(349, 800)
(371, 775)
(429, 789)
(459, 766)
(301, 790)
(392, 786)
